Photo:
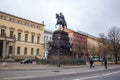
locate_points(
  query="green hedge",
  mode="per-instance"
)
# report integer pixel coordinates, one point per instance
(64, 62)
(80, 61)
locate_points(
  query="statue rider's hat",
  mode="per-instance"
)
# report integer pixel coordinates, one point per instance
(60, 13)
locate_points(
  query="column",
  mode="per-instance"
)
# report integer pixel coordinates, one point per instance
(4, 49)
(13, 50)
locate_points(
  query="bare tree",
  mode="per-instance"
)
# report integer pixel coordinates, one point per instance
(103, 45)
(114, 41)
(110, 43)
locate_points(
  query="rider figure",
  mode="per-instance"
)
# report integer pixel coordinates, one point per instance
(62, 17)
(61, 21)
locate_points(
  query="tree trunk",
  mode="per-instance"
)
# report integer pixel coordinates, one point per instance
(116, 60)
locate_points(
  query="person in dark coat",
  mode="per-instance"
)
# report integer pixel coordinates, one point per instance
(91, 64)
(105, 62)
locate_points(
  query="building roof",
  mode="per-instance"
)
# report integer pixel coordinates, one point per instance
(48, 31)
(88, 35)
(23, 18)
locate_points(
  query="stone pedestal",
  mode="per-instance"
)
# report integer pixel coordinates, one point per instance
(60, 46)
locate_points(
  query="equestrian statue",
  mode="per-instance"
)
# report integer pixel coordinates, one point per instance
(61, 21)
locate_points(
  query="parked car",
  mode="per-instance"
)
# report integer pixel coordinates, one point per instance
(95, 59)
(26, 60)
(101, 60)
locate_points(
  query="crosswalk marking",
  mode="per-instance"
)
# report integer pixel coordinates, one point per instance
(97, 76)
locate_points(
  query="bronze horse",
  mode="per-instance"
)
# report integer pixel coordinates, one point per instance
(61, 21)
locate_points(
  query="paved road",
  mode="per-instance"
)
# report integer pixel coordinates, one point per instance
(99, 73)
(113, 74)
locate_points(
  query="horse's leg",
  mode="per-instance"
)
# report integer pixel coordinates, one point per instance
(63, 27)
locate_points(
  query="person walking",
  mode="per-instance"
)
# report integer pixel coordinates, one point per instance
(91, 64)
(105, 62)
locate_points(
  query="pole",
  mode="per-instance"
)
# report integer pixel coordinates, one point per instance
(58, 62)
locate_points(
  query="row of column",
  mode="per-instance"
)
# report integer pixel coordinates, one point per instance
(5, 51)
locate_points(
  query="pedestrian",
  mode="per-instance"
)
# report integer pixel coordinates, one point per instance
(105, 62)
(102, 60)
(91, 64)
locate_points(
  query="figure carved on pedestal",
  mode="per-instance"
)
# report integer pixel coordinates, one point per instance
(61, 21)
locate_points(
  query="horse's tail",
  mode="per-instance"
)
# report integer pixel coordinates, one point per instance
(57, 15)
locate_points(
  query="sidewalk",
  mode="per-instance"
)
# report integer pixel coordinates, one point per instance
(34, 66)
(18, 71)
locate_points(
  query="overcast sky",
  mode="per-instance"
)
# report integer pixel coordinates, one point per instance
(90, 16)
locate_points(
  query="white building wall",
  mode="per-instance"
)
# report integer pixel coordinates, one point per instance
(47, 37)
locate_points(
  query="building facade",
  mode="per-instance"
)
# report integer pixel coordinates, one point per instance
(93, 45)
(79, 42)
(20, 38)
(47, 38)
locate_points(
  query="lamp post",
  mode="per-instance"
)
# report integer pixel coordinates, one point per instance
(58, 62)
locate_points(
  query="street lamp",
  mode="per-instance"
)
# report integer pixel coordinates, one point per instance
(58, 62)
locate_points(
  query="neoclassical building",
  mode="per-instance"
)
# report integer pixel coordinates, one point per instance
(20, 38)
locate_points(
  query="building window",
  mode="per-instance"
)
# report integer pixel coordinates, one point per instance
(37, 27)
(50, 38)
(46, 46)
(19, 36)
(1, 17)
(26, 37)
(26, 23)
(32, 38)
(20, 22)
(38, 39)
(2, 32)
(18, 50)
(12, 20)
(37, 51)
(32, 51)
(11, 34)
(25, 51)
(45, 38)
(10, 49)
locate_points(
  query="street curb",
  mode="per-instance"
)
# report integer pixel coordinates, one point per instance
(62, 67)
(46, 69)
